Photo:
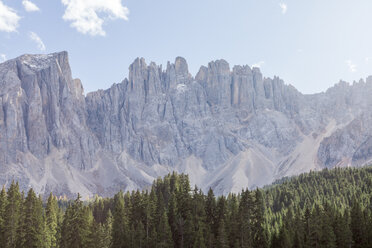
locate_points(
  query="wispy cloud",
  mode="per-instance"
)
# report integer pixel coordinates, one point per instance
(30, 6)
(89, 16)
(367, 59)
(258, 64)
(284, 7)
(351, 65)
(8, 18)
(40, 44)
(2, 58)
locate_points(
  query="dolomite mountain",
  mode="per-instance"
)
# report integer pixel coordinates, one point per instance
(228, 128)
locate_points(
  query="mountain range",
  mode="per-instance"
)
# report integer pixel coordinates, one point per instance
(227, 128)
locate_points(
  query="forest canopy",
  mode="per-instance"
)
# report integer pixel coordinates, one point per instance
(330, 208)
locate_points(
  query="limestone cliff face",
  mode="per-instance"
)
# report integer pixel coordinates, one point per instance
(43, 108)
(227, 128)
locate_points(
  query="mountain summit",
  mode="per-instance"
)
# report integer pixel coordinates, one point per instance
(227, 128)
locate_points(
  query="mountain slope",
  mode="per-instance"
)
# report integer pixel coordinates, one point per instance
(227, 128)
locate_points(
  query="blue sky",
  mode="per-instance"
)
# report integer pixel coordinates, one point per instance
(310, 44)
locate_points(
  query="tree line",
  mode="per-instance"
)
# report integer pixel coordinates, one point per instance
(331, 208)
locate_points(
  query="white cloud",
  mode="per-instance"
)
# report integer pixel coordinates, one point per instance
(351, 65)
(258, 64)
(8, 18)
(40, 44)
(2, 58)
(88, 16)
(30, 6)
(283, 6)
(367, 59)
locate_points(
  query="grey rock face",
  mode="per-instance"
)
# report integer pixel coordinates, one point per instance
(43, 107)
(227, 128)
(348, 145)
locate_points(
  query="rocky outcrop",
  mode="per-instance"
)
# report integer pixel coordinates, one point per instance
(228, 128)
(43, 108)
(349, 145)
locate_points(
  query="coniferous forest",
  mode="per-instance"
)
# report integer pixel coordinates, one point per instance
(331, 208)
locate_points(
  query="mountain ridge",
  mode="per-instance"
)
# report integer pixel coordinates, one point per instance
(223, 121)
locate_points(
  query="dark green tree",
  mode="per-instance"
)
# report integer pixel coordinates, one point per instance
(222, 239)
(76, 227)
(342, 230)
(3, 204)
(51, 213)
(33, 230)
(210, 212)
(120, 227)
(246, 208)
(12, 215)
(328, 237)
(358, 226)
(284, 240)
(260, 239)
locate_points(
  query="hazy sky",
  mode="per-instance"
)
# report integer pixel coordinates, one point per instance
(310, 44)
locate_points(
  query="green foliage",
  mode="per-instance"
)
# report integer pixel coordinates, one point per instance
(12, 217)
(3, 204)
(120, 224)
(51, 222)
(319, 209)
(76, 226)
(33, 222)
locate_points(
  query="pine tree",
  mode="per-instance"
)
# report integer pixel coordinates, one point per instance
(210, 212)
(65, 229)
(97, 236)
(233, 219)
(368, 216)
(33, 229)
(246, 208)
(164, 235)
(315, 226)
(120, 223)
(172, 217)
(20, 230)
(307, 227)
(51, 221)
(139, 235)
(328, 238)
(3, 204)
(297, 242)
(342, 231)
(199, 239)
(189, 229)
(150, 216)
(76, 227)
(357, 225)
(107, 238)
(222, 239)
(284, 240)
(12, 215)
(260, 239)
(199, 219)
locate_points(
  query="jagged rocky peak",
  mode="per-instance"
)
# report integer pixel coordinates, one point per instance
(177, 73)
(42, 61)
(229, 127)
(242, 70)
(43, 109)
(152, 79)
(138, 66)
(219, 67)
(181, 67)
